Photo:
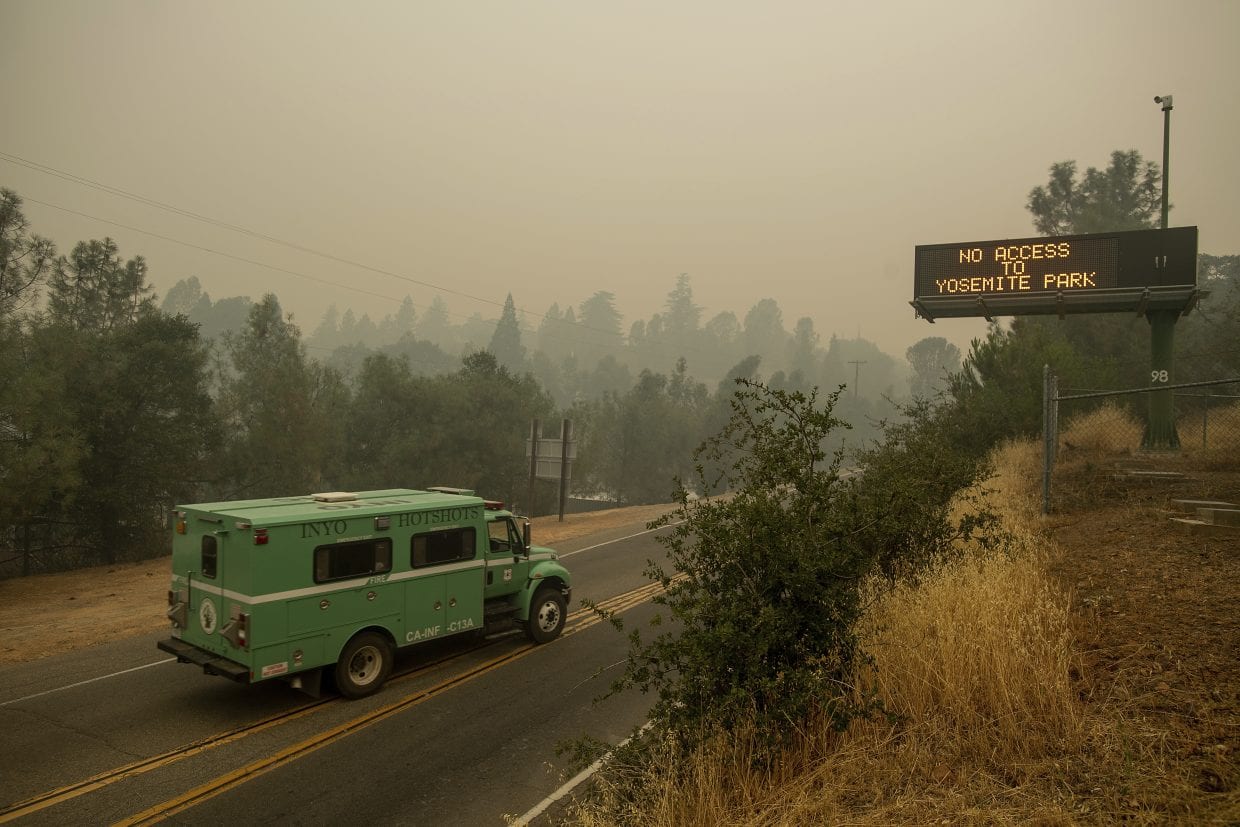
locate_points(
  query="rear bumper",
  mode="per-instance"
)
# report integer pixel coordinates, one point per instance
(210, 662)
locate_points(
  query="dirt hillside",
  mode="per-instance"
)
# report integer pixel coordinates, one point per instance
(1158, 612)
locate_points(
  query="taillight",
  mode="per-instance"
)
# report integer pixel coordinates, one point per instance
(181, 529)
(260, 536)
(237, 631)
(178, 607)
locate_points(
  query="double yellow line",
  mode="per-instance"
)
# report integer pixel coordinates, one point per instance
(579, 620)
(576, 622)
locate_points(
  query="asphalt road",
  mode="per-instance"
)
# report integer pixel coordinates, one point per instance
(465, 734)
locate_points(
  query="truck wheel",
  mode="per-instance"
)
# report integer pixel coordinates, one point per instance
(547, 613)
(364, 665)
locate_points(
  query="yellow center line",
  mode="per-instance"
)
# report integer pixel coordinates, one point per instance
(54, 797)
(585, 618)
(254, 769)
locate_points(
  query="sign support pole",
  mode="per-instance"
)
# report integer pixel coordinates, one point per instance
(1160, 431)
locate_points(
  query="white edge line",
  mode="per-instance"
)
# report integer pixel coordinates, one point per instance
(90, 680)
(541, 807)
(618, 539)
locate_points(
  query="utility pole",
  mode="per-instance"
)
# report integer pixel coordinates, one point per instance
(857, 363)
(535, 434)
(1160, 432)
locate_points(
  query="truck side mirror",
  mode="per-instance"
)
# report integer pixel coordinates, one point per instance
(525, 536)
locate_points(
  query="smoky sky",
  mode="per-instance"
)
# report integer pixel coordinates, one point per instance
(791, 150)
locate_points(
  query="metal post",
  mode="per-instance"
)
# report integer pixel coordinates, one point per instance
(1205, 422)
(566, 435)
(535, 433)
(1165, 100)
(1046, 439)
(1160, 432)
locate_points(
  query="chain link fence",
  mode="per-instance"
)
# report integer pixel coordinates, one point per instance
(1111, 422)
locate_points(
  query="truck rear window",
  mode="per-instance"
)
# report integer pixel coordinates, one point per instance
(210, 554)
(357, 559)
(441, 547)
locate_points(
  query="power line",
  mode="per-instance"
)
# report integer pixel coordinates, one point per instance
(142, 199)
(151, 202)
(208, 249)
(191, 245)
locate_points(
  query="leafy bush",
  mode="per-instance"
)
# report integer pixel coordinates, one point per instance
(764, 579)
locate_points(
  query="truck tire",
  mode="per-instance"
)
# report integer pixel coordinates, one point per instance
(547, 614)
(364, 665)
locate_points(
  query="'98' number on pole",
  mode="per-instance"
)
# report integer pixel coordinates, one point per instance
(1159, 376)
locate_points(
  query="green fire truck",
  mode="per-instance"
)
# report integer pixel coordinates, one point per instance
(292, 587)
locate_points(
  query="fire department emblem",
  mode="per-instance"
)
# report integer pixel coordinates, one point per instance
(207, 616)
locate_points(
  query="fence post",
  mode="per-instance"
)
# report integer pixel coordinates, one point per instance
(1054, 419)
(26, 549)
(1048, 456)
(1205, 421)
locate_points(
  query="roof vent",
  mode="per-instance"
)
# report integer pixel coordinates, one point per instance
(446, 489)
(334, 497)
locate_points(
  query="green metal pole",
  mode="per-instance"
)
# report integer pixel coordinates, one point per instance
(1165, 100)
(1160, 432)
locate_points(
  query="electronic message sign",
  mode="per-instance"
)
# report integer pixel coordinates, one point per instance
(1137, 271)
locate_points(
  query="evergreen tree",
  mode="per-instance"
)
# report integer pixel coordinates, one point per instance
(327, 334)
(1125, 196)
(598, 332)
(93, 290)
(506, 341)
(933, 360)
(682, 318)
(183, 298)
(435, 326)
(764, 333)
(25, 259)
(281, 413)
(803, 352)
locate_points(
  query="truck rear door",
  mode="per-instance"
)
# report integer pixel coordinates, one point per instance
(204, 578)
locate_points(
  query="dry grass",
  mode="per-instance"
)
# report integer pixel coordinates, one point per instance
(973, 660)
(1221, 436)
(1110, 431)
(1103, 432)
(994, 721)
(975, 663)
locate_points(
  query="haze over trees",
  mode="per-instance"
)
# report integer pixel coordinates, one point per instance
(115, 405)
